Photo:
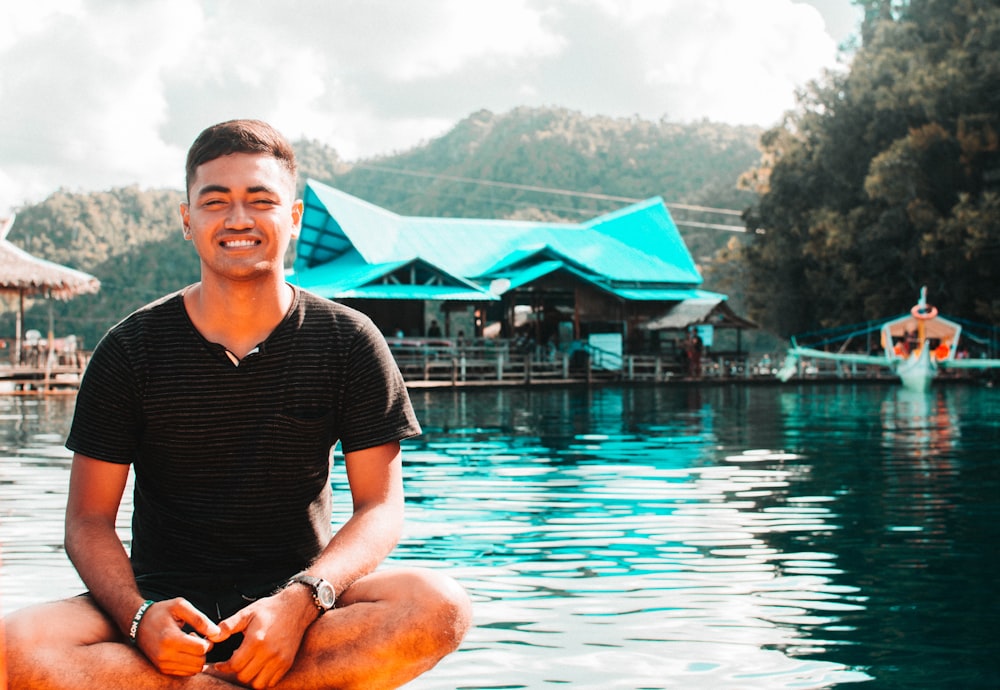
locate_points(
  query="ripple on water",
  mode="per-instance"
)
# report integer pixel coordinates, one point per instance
(601, 559)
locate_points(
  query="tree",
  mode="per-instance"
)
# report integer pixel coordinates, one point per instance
(884, 178)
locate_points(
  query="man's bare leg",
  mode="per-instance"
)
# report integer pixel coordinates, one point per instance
(70, 644)
(388, 628)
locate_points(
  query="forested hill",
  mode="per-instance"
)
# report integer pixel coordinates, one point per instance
(556, 149)
(131, 240)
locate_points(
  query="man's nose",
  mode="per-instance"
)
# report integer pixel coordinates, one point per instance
(240, 217)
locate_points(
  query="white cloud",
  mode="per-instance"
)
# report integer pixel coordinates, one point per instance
(24, 19)
(99, 93)
(83, 100)
(457, 33)
(764, 48)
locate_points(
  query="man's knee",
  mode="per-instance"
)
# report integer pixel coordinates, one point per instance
(56, 624)
(26, 629)
(445, 606)
(25, 636)
(47, 644)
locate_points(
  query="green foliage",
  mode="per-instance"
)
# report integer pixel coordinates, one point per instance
(695, 164)
(884, 179)
(131, 240)
(85, 230)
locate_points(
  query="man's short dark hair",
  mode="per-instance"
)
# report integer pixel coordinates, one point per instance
(238, 136)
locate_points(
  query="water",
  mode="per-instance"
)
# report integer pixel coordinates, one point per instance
(667, 537)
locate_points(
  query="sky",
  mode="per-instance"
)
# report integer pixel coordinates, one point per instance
(96, 94)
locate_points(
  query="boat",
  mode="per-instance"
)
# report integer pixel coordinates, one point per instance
(915, 347)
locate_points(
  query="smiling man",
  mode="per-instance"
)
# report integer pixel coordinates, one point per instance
(227, 398)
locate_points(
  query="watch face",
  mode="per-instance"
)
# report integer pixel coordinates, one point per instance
(325, 594)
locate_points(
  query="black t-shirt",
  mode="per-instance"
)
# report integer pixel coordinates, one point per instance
(232, 462)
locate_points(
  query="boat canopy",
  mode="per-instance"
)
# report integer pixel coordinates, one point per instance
(938, 327)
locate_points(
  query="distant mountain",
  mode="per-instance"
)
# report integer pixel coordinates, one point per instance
(455, 175)
(695, 164)
(487, 166)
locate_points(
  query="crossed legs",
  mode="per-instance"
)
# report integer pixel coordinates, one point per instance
(389, 627)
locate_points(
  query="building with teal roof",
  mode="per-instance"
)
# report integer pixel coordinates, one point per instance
(624, 272)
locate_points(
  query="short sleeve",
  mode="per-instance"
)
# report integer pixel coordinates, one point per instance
(375, 405)
(106, 421)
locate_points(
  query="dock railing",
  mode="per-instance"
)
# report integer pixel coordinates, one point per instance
(50, 373)
(427, 361)
(444, 362)
(485, 361)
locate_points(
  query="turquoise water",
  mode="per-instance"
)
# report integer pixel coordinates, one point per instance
(663, 537)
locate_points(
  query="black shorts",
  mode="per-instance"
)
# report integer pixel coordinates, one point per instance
(217, 597)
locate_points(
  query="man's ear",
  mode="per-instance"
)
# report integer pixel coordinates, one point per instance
(298, 208)
(186, 219)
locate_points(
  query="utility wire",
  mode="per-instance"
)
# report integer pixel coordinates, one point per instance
(566, 192)
(710, 226)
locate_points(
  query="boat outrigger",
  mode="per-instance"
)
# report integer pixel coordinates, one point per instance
(915, 347)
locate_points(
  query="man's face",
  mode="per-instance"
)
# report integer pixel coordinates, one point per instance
(241, 215)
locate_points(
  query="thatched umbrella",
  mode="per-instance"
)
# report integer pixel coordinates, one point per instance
(28, 276)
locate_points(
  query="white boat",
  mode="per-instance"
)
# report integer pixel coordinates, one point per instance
(915, 347)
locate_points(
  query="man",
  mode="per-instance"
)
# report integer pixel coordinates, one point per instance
(693, 346)
(227, 399)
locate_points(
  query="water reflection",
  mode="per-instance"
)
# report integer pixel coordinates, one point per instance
(915, 480)
(919, 424)
(615, 538)
(34, 470)
(725, 537)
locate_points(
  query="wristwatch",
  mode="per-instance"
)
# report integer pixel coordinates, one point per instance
(323, 594)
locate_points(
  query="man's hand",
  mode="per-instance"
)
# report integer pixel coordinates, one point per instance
(173, 651)
(272, 633)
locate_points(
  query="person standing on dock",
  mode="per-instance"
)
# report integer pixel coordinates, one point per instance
(693, 347)
(227, 399)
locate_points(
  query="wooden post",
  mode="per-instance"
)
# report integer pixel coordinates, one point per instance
(18, 328)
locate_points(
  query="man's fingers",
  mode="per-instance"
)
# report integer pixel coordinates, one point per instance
(257, 673)
(184, 612)
(235, 623)
(166, 642)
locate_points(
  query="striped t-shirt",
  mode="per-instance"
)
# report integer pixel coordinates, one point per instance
(232, 462)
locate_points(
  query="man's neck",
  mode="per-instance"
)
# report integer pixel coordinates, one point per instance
(238, 317)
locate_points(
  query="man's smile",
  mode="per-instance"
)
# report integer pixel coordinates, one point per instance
(239, 244)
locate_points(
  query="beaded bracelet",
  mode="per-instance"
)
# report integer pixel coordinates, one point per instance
(134, 630)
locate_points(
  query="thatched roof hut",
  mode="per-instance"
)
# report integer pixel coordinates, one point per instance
(25, 275)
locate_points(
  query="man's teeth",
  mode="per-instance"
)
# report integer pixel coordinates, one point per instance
(240, 243)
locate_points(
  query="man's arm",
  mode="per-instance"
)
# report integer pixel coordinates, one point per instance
(273, 627)
(95, 492)
(376, 479)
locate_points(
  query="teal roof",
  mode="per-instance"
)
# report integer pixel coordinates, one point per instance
(351, 277)
(667, 295)
(347, 244)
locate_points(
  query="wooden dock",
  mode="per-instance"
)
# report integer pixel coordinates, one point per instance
(500, 365)
(497, 363)
(30, 380)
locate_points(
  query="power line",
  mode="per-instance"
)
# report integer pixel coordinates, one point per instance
(563, 192)
(710, 226)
